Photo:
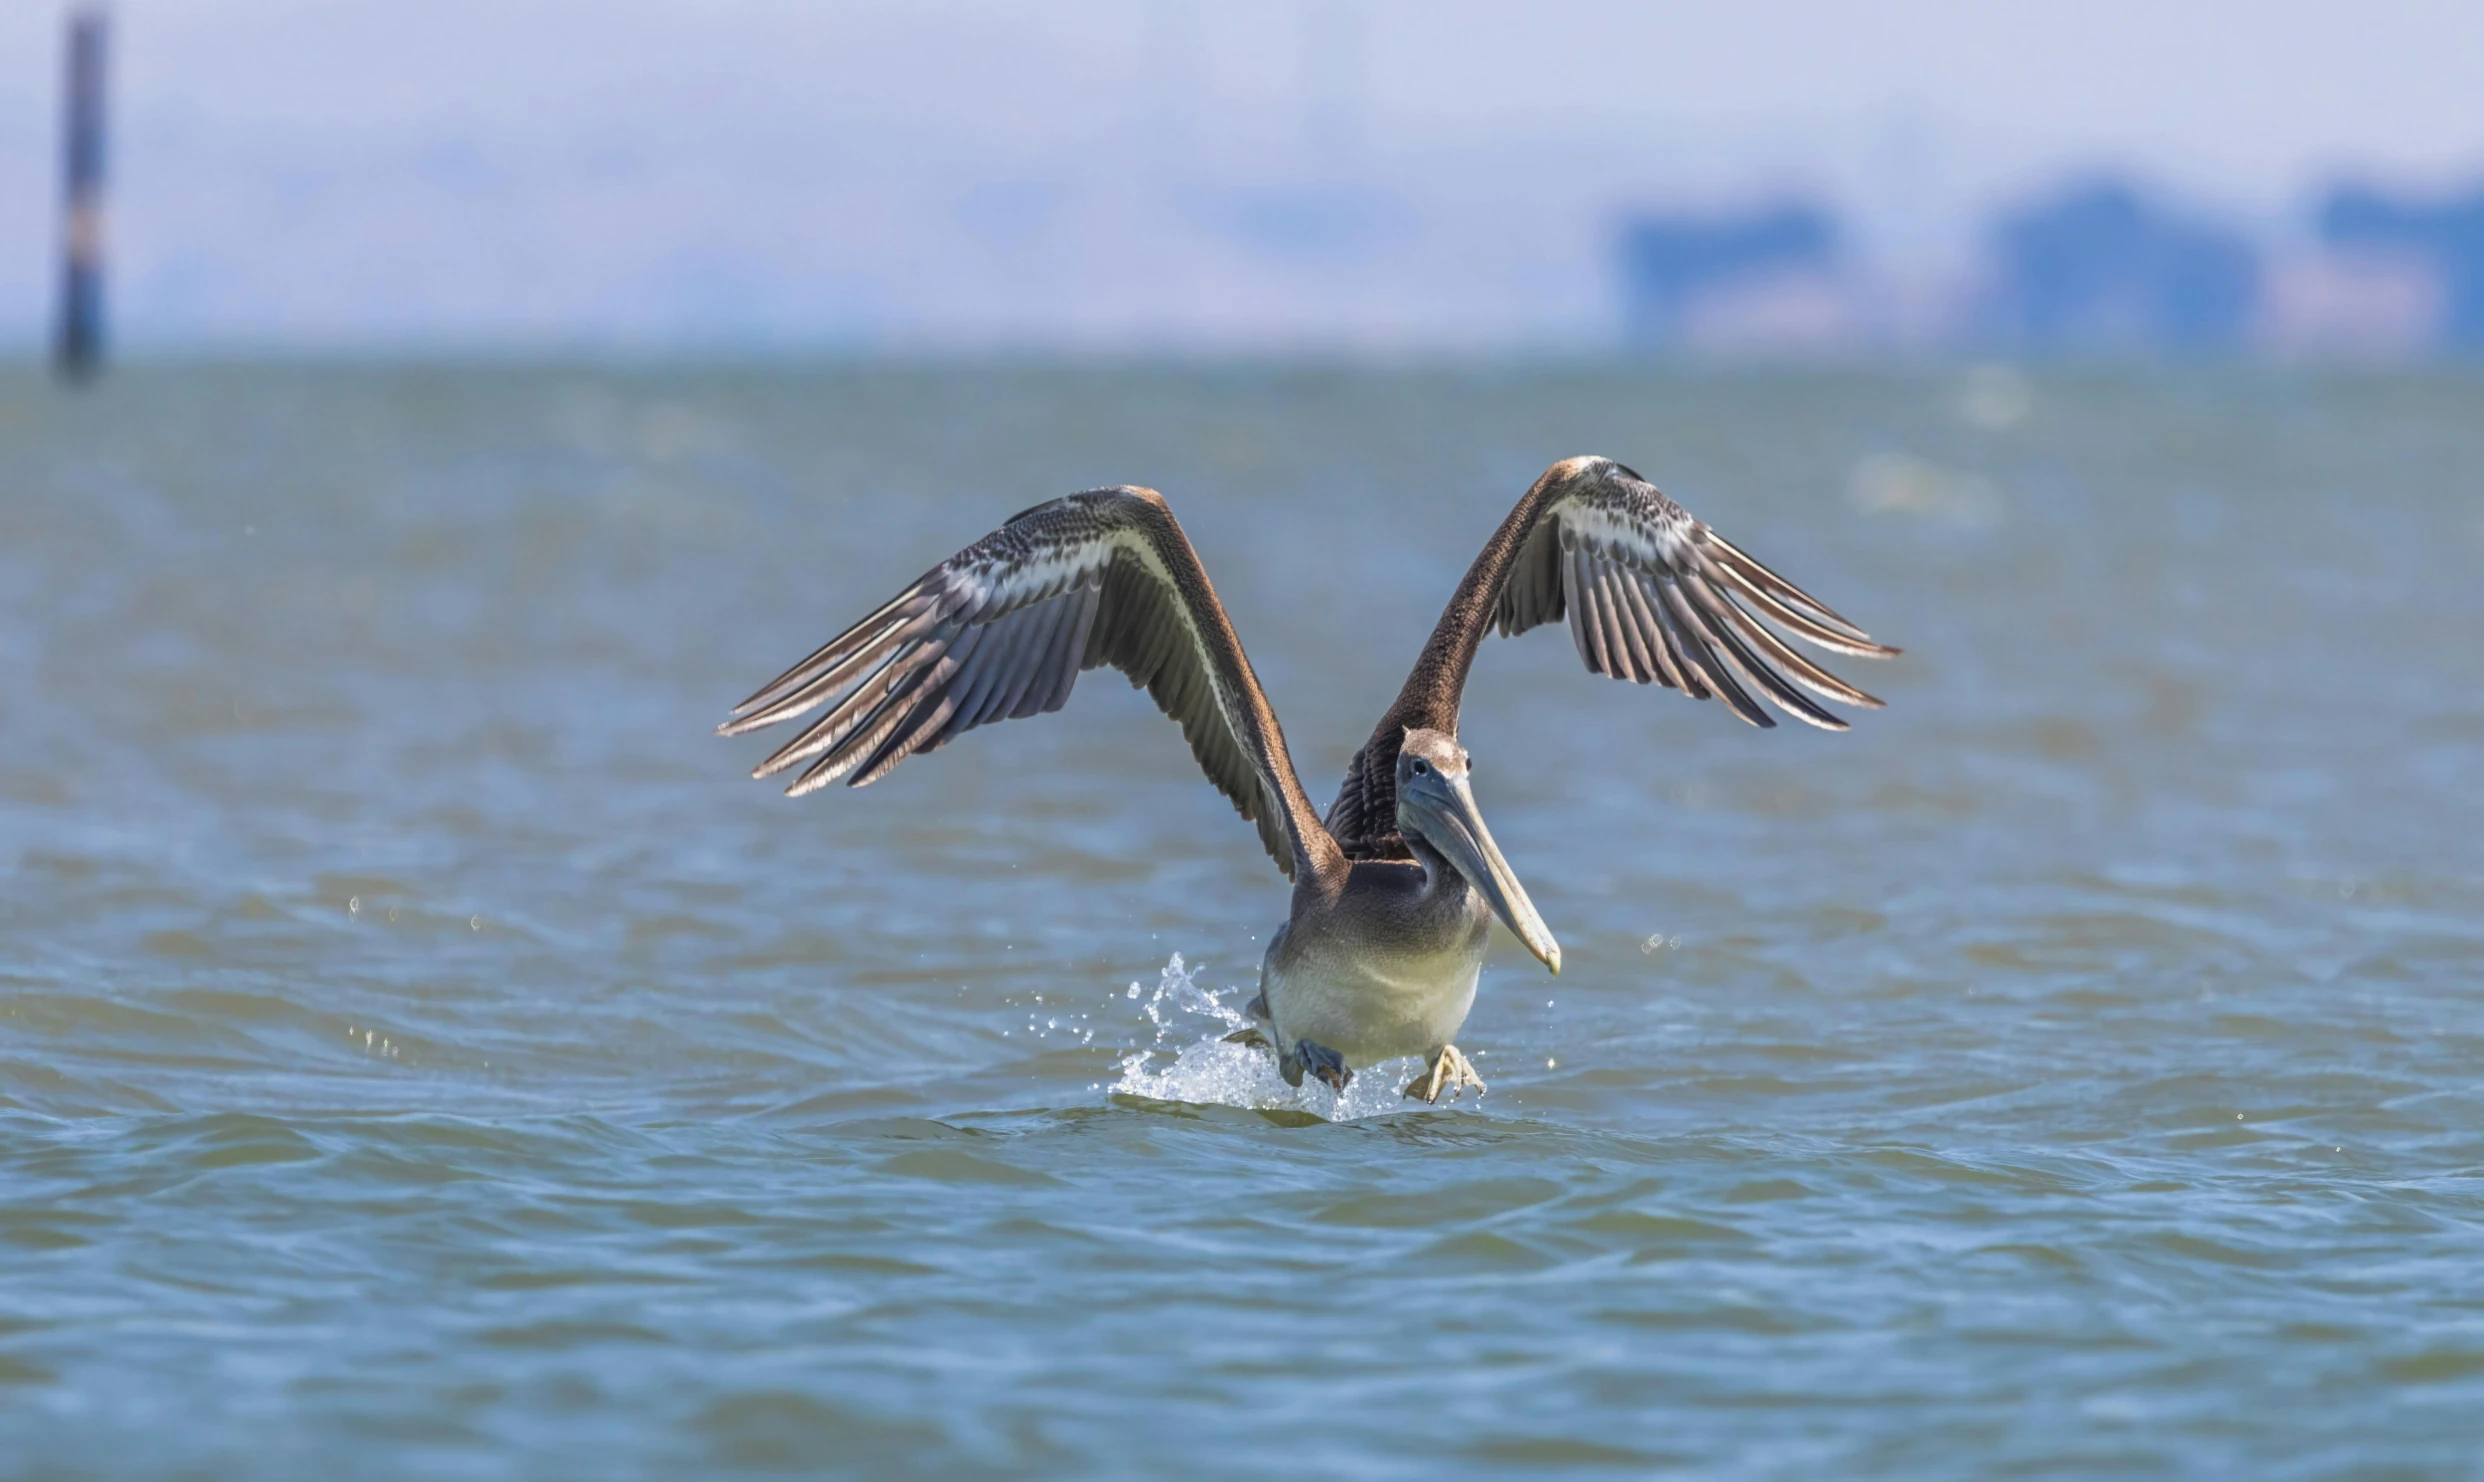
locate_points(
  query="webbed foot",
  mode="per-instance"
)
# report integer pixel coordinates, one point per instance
(1324, 1064)
(1451, 1072)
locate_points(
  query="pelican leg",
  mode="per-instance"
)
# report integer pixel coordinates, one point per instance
(1451, 1072)
(1324, 1064)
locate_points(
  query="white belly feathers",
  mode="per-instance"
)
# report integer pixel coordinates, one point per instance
(1373, 1008)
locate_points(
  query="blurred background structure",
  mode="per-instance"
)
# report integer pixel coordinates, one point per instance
(77, 346)
(1796, 177)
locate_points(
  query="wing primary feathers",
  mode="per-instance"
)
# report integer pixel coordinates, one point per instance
(922, 692)
(1723, 632)
(855, 709)
(1808, 629)
(925, 673)
(861, 660)
(1785, 657)
(827, 653)
(810, 683)
(1761, 576)
(863, 739)
(909, 737)
(1686, 629)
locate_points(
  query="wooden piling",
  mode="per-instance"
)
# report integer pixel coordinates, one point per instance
(78, 349)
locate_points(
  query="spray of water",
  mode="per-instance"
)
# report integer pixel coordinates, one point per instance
(1191, 1060)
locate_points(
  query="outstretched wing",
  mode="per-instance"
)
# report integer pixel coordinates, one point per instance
(1652, 595)
(1001, 630)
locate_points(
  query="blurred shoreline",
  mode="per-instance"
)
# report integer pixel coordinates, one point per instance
(28, 361)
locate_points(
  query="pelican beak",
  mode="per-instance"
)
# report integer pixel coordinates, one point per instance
(1444, 807)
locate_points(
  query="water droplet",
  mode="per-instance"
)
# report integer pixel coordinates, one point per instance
(474, 923)
(353, 905)
(1549, 1062)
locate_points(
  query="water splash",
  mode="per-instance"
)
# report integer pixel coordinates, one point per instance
(1192, 1060)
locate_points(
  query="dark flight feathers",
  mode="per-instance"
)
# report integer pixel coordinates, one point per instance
(1001, 630)
(1652, 596)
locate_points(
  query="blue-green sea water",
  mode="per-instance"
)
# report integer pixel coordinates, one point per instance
(425, 1053)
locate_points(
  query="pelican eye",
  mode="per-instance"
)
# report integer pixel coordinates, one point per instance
(1421, 766)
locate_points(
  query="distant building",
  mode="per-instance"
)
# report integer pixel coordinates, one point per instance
(2100, 266)
(1688, 277)
(2448, 235)
(2354, 303)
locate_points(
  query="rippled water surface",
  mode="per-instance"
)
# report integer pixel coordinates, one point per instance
(423, 1052)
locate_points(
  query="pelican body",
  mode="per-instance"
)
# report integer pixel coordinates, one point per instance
(1397, 884)
(1387, 965)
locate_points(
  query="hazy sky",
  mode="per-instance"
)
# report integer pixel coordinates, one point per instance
(944, 172)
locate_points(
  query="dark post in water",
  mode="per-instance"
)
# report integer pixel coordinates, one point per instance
(79, 349)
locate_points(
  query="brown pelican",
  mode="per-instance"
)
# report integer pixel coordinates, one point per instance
(1395, 888)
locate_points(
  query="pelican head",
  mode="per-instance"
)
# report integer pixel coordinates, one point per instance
(1436, 807)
